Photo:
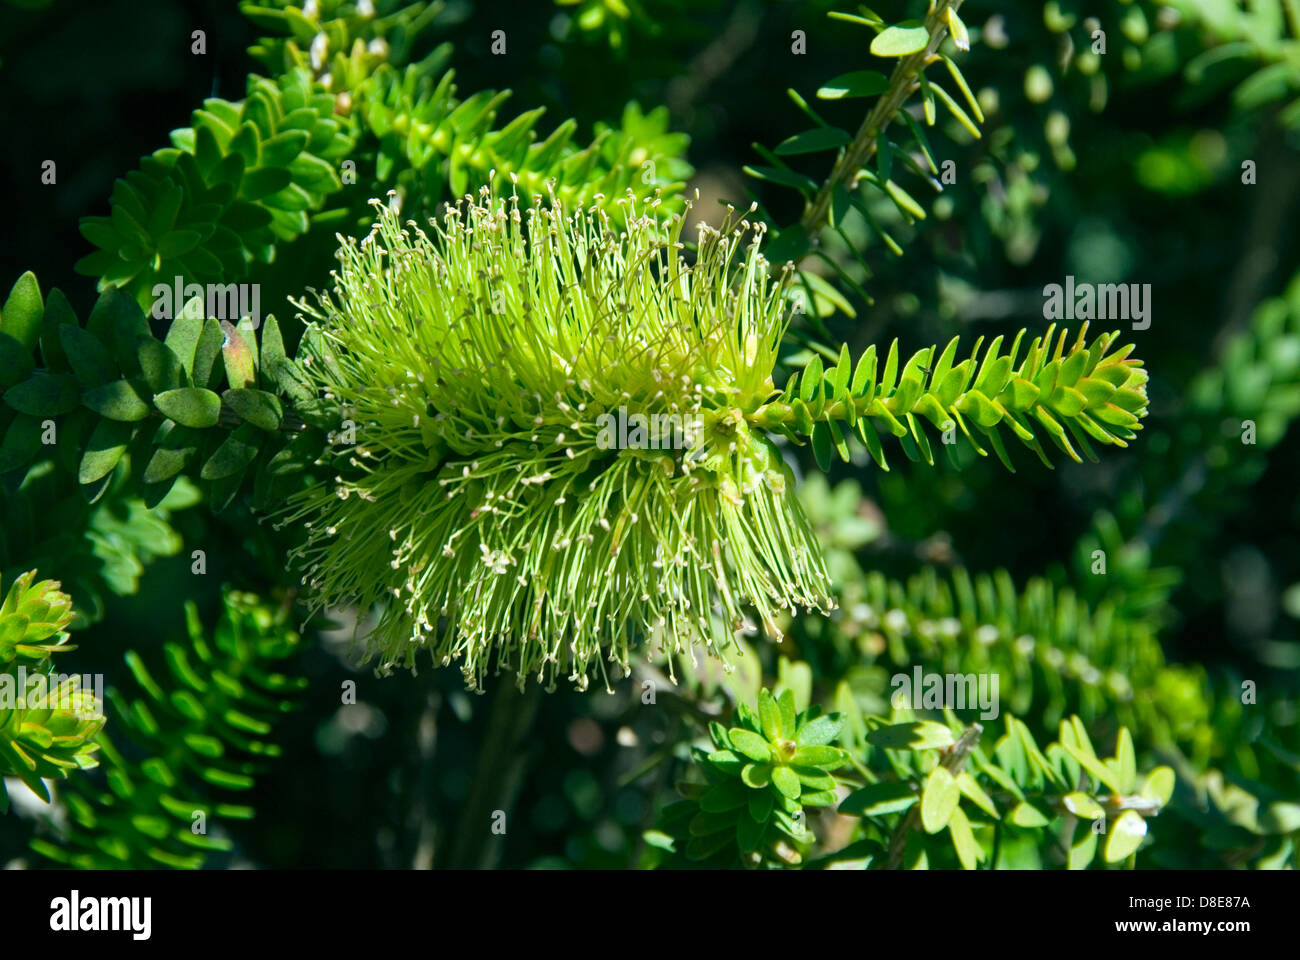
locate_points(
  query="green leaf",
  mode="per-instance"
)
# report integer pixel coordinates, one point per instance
(58, 312)
(16, 362)
(769, 715)
(1082, 806)
(837, 439)
(819, 731)
(814, 780)
(705, 824)
(938, 800)
(860, 83)
(1126, 835)
(241, 370)
(718, 734)
(205, 354)
(167, 461)
(958, 113)
(724, 797)
(117, 400)
(786, 178)
(183, 336)
(257, 407)
(727, 762)
(21, 315)
(44, 395)
(814, 141)
(1095, 767)
(904, 200)
(915, 735)
(957, 77)
(1082, 850)
(1019, 394)
(756, 775)
(263, 182)
(879, 799)
(972, 790)
(21, 442)
(108, 441)
(788, 244)
(785, 703)
(246, 143)
(1028, 816)
(283, 148)
(969, 852)
(830, 758)
(1159, 785)
(1125, 763)
(810, 384)
(817, 798)
(178, 243)
(957, 30)
(750, 744)
(1280, 817)
(160, 367)
(116, 319)
(275, 364)
(89, 358)
(236, 452)
(787, 782)
(749, 833)
(821, 444)
(901, 40)
(190, 407)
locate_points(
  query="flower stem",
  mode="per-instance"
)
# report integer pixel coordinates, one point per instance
(496, 775)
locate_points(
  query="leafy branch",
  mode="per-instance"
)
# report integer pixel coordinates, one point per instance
(111, 387)
(828, 203)
(1085, 390)
(247, 177)
(954, 760)
(908, 75)
(764, 776)
(206, 728)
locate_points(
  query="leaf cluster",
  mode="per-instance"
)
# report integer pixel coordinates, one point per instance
(1086, 393)
(111, 387)
(187, 742)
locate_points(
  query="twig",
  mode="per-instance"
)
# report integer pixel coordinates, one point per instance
(902, 83)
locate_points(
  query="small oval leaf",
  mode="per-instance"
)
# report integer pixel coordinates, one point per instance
(901, 40)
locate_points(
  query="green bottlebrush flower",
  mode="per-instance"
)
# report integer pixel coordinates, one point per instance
(547, 445)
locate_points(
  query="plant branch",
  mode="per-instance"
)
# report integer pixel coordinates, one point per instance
(953, 763)
(902, 83)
